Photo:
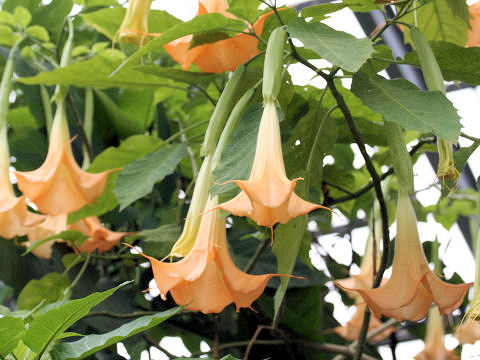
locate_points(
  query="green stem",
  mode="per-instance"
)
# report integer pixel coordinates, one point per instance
(184, 130)
(47, 108)
(88, 126)
(79, 275)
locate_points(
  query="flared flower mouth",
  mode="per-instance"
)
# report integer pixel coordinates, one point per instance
(267, 197)
(60, 186)
(207, 279)
(412, 288)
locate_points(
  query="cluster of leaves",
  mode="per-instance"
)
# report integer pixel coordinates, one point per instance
(150, 120)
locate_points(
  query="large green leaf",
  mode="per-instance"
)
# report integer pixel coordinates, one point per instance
(403, 103)
(90, 344)
(137, 178)
(49, 288)
(199, 24)
(52, 16)
(288, 238)
(188, 77)
(108, 20)
(456, 62)
(47, 327)
(159, 241)
(134, 147)
(12, 330)
(96, 72)
(437, 22)
(338, 47)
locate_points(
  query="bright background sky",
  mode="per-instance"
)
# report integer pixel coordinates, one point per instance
(453, 246)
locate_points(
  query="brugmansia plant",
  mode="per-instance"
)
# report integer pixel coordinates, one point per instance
(161, 178)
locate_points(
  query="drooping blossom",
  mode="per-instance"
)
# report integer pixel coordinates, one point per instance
(412, 288)
(474, 32)
(363, 280)
(206, 279)
(15, 219)
(434, 345)
(468, 332)
(135, 23)
(60, 186)
(267, 196)
(99, 237)
(220, 56)
(52, 225)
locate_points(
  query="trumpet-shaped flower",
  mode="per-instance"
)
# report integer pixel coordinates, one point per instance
(434, 345)
(267, 197)
(351, 330)
(474, 31)
(134, 27)
(223, 55)
(60, 186)
(468, 332)
(52, 225)
(15, 219)
(100, 238)
(206, 279)
(412, 288)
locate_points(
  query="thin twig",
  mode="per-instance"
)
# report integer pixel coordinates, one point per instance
(260, 249)
(153, 343)
(81, 130)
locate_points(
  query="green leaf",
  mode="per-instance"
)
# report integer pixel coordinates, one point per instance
(49, 288)
(45, 328)
(51, 16)
(188, 77)
(22, 16)
(38, 32)
(159, 241)
(402, 102)
(12, 330)
(338, 47)
(456, 62)
(208, 38)
(30, 5)
(460, 9)
(21, 118)
(90, 344)
(288, 238)
(462, 155)
(107, 21)
(7, 18)
(137, 178)
(134, 147)
(22, 352)
(319, 12)
(244, 9)
(138, 106)
(437, 22)
(199, 24)
(96, 72)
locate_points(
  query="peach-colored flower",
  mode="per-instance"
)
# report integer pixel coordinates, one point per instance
(468, 332)
(60, 186)
(100, 238)
(207, 280)
(351, 330)
(15, 219)
(474, 32)
(134, 27)
(434, 345)
(267, 197)
(52, 225)
(223, 55)
(408, 294)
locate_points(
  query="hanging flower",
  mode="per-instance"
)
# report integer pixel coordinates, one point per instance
(220, 56)
(100, 238)
(134, 27)
(474, 31)
(468, 332)
(15, 219)
(434, 345)
(52, 225)
(267, 197)
(206, 279)
(408, 294)
(351, 330)
(60, 186)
